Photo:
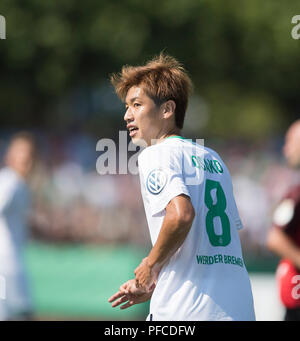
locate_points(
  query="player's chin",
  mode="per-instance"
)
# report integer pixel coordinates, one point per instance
(138, 141)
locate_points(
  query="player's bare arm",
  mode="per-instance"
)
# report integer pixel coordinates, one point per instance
(176, 226)
(279, 242)
(130, 295)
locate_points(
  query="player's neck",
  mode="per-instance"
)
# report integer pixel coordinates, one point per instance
(173, 132)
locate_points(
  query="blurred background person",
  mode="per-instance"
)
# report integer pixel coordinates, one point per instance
(284, 236)
(14, 209)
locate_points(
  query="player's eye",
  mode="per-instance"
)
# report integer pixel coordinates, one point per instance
(136, 105)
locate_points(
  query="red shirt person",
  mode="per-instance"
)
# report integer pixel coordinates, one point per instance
(284, 236)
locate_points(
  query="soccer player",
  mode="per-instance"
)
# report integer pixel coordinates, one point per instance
(14, 208)
(195, 269)
(284, 236)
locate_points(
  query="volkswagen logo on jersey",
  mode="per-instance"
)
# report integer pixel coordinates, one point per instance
(156, 181)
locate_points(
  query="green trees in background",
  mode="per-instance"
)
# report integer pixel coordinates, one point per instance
(240, 54)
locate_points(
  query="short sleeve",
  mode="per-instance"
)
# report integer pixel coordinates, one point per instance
(287, 212)
(161, 176)
(283, 213)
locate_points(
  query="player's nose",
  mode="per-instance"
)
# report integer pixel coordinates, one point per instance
(128, 115)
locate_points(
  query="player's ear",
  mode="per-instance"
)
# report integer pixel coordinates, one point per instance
(169, 108)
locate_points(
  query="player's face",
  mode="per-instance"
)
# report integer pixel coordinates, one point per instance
(143, 117)
(19, 157)
(292, 146)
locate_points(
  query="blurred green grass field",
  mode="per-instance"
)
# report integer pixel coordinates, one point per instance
(75, 281)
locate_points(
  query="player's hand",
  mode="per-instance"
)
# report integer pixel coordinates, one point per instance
(145, 276)
(130, 295)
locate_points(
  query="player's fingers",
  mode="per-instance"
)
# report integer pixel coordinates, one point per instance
(127, 305)
(115, 296)
(119, 301)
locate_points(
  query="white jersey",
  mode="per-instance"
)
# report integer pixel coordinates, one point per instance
(206, 278)
(14, 205)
